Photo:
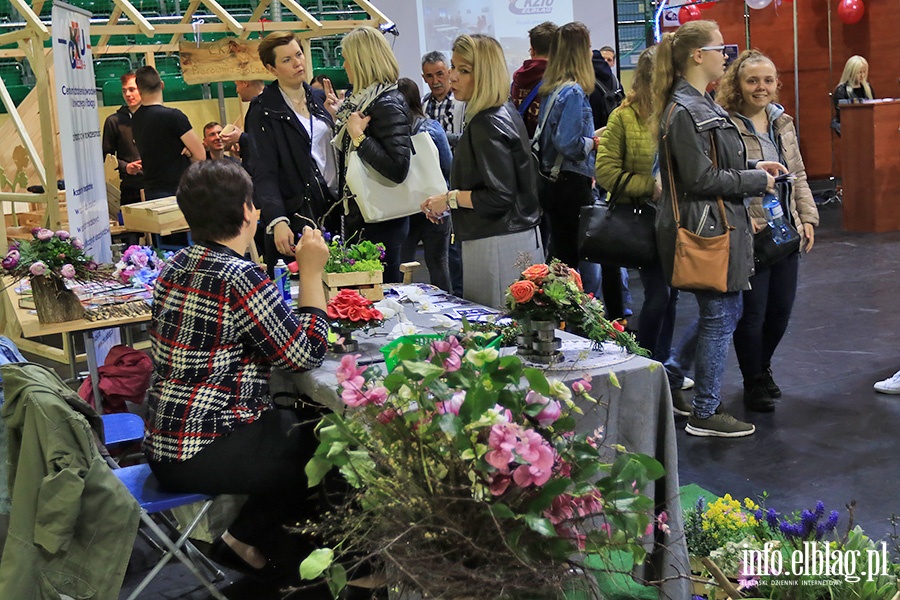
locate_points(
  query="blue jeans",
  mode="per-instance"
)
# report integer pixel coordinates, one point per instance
(656, 322)
(705, 345)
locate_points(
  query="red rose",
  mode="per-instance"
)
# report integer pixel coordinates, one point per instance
(536, 273)
(576, 277)
(376, 315)
(522, 291)
(356, 314)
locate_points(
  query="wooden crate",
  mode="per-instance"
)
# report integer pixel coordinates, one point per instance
(160, 216)
(367, 283)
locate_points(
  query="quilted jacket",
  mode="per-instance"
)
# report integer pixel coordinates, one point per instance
(626, 146)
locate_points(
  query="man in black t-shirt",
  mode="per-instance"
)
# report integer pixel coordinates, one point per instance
(164, 138)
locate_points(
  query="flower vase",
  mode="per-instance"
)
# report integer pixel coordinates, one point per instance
(54, 302)
(344, 342)
(545, 345)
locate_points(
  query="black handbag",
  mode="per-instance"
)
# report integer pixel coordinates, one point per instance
(618, 234)
(765, 251)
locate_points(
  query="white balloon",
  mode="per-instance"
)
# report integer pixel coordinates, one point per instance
(758, 4)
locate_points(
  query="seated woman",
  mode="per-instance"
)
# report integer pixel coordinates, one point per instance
(219, 326)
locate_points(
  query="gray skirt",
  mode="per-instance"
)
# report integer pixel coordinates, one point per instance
(491, 264)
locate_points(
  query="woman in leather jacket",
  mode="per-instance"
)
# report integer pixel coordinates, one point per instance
(692, 130)
(749, 92)
(494, 196)
(373, 123)
(295, 175)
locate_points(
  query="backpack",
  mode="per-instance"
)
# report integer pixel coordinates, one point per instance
(609, 100)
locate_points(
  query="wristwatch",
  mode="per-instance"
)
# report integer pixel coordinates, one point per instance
(359, 140)
(452, 202)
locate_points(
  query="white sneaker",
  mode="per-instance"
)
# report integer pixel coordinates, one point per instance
(689, 383)
(889, 386)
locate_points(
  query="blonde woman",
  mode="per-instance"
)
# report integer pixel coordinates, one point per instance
(373, 122)
(567, 140)
(854, 85)
(692, 127)
(749, 92)
(494, 199)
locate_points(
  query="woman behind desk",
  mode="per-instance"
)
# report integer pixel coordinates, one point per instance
(854, 86)
(219, 325)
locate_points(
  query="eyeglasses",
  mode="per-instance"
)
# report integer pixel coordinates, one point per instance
(720, 49)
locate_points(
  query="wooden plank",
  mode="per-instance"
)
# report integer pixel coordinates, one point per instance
(224, 16)
(302, 14)
(20, 128)
(372, 11)
(226, 59)
(186, 20)
(113, 20)
(32, 20)
(255, 17)
(136, 17)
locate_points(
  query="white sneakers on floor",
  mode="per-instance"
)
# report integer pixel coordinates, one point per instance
(889, 386)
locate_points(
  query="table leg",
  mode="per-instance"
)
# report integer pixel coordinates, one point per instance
(69, 345)
(93, 369)
(127, 337)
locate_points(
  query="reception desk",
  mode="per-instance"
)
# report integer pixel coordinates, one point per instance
(870, 150)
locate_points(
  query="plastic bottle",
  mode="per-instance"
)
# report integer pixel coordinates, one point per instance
(775, 217)
(282, 280)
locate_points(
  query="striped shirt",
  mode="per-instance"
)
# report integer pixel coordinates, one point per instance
(219, 325)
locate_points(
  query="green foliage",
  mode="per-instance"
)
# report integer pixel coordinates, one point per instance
(53, 254)
(345, 257)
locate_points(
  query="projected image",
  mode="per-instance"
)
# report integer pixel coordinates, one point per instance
(446, 19)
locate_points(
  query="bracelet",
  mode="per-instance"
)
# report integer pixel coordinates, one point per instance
(359, 139)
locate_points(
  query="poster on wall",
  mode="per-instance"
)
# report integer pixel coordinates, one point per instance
(79, 140)
(506, 20)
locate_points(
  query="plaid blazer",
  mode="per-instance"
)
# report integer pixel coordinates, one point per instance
(219, 325)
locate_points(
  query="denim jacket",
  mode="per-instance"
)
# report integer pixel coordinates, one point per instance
(439, 137)
(568, 130)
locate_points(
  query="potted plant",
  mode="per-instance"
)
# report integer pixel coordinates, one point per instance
(51, 260)
(357, 266)
(470, 480)
(349, 310)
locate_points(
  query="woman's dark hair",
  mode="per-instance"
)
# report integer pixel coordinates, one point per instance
(410, 91)
(212, 195)
(268, 44)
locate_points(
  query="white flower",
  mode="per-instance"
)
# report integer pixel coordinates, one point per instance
(401, 329)
(559, 390)
(441, 321)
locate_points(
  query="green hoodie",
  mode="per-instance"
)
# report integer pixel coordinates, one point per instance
(73, 523)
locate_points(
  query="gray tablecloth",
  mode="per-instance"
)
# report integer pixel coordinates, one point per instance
(634, 409)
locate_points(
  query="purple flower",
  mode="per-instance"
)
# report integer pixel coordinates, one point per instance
(67, 271)
(63, 234)
(79, 245)
(772, 518)
(820, 509)
(38, 268)
(91, 266)
(34, 231)
(140, 259)
(12, 260)
(44, 234)
(832, 521)
(326, 236)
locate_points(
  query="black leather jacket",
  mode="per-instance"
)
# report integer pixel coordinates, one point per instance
(387, 147)
(285, 176)
(493, 160)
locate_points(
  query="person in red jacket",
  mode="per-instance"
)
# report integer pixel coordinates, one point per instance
(531, 73)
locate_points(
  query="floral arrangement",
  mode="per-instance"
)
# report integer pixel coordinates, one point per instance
(554, 291)
(54, 255)
(470, 479)
(351, 310)
(724, 535)
(345, 257)
(140, 265)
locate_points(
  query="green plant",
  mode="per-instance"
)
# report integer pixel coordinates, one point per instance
(470, 479)
(53, 254)
(345, 257)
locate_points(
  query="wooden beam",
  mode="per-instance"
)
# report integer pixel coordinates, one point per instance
(113, 20)
(38, 58)
(11, 37)
(21, 197)
(37, 6)
(224, 16)
(305, 17)
(136, 17)
(31, 19)
(185, 20)
(23, 133)
(372, 11)
(255, 17)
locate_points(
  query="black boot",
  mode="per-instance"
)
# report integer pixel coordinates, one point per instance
(756, 396)
(771, 387)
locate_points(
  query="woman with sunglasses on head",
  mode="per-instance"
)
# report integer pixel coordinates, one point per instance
(749, 92)
(702, 159)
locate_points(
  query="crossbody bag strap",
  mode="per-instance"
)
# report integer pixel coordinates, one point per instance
(671, 168)
(619, 188)
(523, 108)
(714, 155)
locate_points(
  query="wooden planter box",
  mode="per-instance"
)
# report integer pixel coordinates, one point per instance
(367, 283)
(160, 216)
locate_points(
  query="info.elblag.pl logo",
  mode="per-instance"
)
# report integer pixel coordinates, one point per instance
(531, 7)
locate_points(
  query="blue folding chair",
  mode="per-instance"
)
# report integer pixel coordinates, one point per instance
(140, 481)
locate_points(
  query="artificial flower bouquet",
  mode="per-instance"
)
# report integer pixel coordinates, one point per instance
(350, 310)
(469, 478)
(52, 254)
(754, 550)
(140, 266)
(547, 292)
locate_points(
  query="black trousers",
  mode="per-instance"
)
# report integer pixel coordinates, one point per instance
(436, 244)
(562, 201)
(265, 460)
(767, 310)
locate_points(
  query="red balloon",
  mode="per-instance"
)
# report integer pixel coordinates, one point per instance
(689, 12)
(850, 11)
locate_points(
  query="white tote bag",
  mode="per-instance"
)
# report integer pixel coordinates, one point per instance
(380, 199)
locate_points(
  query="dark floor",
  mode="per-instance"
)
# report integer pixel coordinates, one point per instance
(831, 437)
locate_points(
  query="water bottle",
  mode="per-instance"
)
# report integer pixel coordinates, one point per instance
(775, 217)
(282, 280)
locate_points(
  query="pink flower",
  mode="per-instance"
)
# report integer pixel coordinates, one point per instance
(607, 529)
(12, 260)
(44, 234)
(387, 415)
(352, 396)
(77, 243)
(551, 410)
(67, 271)
(38, 268)
(499, 483)
(452, 405)
(91, 266)
(582, 386)
(348, 369)
(63, 234)
(377, 395)
(450, 351)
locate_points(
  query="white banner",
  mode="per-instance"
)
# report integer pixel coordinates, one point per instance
(79, 141)
(79, 130)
